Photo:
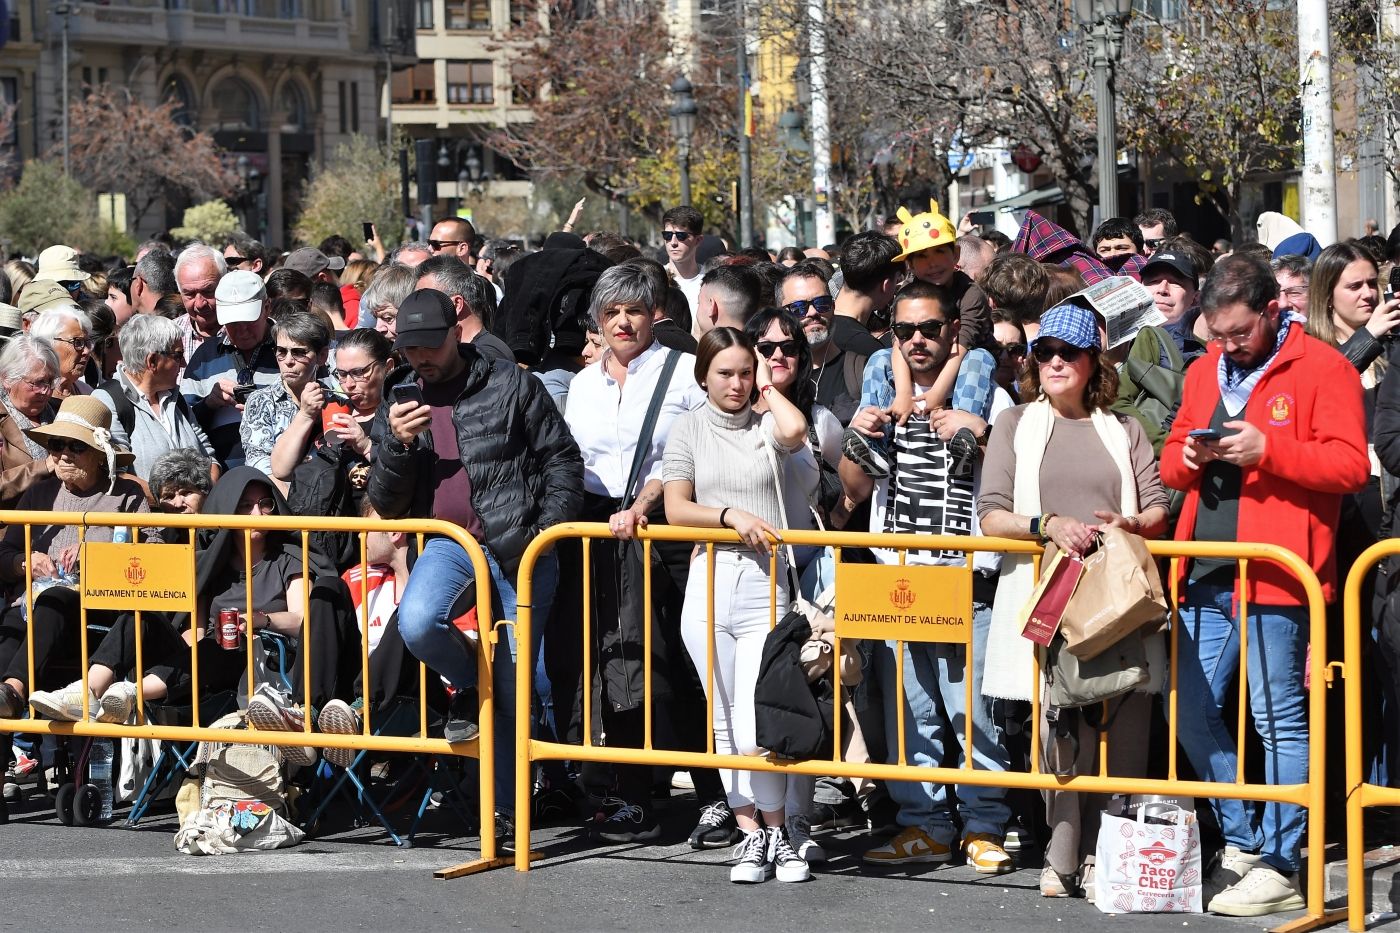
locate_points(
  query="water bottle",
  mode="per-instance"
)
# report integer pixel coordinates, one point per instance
(100, 773)
(121, 535)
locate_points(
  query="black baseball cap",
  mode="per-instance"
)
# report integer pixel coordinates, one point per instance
(1179, 263)
(425, 317)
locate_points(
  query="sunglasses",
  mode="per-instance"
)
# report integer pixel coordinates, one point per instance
(443, 244)
(1153, 245)
(1008, 350)
(299, 354)
(1044, 353)
(265, 504)
(57, 445)
(235, 260)
(766, 348)
(822, 304)
(172, 354)
(77, 343)
(930, 329)
(359, 374)
(681, 235)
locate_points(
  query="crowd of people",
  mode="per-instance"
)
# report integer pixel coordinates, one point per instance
(923, 379)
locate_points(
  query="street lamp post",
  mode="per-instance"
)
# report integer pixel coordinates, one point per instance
(64, 10)
(683, 112)
(1105, 20)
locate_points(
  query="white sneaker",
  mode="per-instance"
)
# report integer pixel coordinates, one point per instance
(1265, 890)
(64, 705)
(118, 703)
(799, 831)
(787, 864)
(1226, 870)
(754, 866)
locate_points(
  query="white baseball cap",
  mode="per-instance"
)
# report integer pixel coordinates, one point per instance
(239, 297)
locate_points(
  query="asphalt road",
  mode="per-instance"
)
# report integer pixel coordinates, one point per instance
(117, 879)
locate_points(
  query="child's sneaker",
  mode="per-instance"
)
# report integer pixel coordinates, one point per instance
(860, 451)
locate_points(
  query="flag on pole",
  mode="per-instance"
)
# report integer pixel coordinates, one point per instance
(748, 110)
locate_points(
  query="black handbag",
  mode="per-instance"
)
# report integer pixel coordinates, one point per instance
(792, 717)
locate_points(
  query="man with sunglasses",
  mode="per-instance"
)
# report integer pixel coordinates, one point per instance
(924, 494)
(226, 368)
(1156, 225)
(453, 236)
(835, 371)
(244, 252)
(1287, 440)
(680, 234)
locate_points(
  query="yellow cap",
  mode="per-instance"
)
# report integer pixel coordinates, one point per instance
(924, 231)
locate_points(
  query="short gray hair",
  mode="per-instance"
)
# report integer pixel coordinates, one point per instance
(1293, 264)
(143, 335)
(390, 286)
(50, 321)
(20, 354)
(304, 328)
(157, 270)
(199, 252)
(181, 468)
(417, 246)
(455, 277)
(630, 282)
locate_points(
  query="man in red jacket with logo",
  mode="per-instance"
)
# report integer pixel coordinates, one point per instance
(1289, 439)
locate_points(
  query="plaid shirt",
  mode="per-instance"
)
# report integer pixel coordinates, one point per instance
(1046, 241)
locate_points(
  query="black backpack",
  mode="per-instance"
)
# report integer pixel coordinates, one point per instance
(547, 296)
(792, 717)
(321, 486)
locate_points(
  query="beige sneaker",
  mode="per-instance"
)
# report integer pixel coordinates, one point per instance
(985, 853)
(910, 846)
(1054, 884)
(64, 705)
(118, 703)
(1265, 890)
(1226, 870)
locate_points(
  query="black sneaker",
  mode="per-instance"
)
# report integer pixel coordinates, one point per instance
(461, 718)
(787, 864)
(550, 804)
(860, 451)
(505, 831)
(963, 449)
(716, 827)
(11, 703)
(629, 823)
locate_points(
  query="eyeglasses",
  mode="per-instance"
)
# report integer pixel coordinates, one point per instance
(358, 375)
(300, 354)
(1008, 350)
(57, 445)
(680, 235)
(822, 304)
(265, 504)
(77, 343)
(930, 329)
(39, 385)
(1294, 291)
(1153, 245)
(1045, 352)
(766, 348)
(177, 354)
(443, 244)
(1236, 338)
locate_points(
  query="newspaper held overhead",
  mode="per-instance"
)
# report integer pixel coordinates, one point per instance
(1126, 307)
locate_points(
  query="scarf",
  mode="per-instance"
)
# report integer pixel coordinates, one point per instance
(1236, 382)
(36, 450)
(1009, 668)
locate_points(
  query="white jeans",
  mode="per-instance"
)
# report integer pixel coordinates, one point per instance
(742, 618)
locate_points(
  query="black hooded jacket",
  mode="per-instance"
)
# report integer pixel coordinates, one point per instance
(526, 471)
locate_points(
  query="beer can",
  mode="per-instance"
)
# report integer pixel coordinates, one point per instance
(228, 628)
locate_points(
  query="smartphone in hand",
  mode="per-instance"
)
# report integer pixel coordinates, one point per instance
(408, 392)
(368, 229)
(1206, 435)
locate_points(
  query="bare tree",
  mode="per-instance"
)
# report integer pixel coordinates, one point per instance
(117, 143)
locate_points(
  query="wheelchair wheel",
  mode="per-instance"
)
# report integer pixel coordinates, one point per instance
(63, 803)
(87, 805)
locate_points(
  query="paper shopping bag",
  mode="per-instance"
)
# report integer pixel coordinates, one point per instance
(1119, 592)
(1148, 865)
(1052, 593)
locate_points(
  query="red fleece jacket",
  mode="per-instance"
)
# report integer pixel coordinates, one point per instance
(1308, 404)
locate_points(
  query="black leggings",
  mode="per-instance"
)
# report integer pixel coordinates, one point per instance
(57, 639)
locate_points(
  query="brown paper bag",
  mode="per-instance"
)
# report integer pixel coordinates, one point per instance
(1119, 592)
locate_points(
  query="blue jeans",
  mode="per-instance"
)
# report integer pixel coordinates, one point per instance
(440, 578)
(935, 701)
(1209, 658)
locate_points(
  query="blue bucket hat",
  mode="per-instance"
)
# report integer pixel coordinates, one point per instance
(1072, 324)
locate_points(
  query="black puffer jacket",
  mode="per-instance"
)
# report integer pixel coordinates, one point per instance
(526, 471)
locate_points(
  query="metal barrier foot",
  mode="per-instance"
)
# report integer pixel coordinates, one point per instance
(1303, 924)
(479, 865)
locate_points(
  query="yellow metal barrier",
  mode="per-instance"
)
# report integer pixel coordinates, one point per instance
(1309, 795)
(173, 563)
(1360, 794)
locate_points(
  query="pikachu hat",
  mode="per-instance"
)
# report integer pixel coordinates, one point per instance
(923, 231)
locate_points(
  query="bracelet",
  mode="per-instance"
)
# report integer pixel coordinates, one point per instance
(723, 512)
(1045, 526)
(1136, 524)
(763, 389)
